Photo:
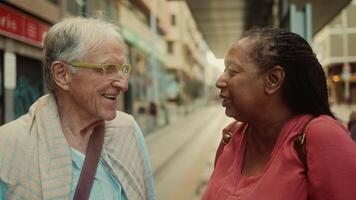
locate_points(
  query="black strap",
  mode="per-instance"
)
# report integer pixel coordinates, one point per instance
(300, 145)
(90, 165)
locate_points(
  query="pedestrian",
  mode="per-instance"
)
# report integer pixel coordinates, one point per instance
(45, 152)
(351, 125)
(152, 108)
(285, 143)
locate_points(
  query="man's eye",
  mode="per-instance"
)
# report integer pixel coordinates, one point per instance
(99, 70)
(111, 69)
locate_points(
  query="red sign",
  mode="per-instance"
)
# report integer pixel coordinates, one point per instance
(20, 26)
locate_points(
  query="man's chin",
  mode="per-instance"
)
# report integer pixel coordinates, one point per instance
(109, 115)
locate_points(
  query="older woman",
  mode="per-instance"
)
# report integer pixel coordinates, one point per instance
(287, 144)
(42, 153)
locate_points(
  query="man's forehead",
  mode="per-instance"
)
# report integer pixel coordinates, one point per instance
(113, 58)
(111, 52)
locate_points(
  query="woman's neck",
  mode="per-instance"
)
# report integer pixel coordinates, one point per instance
(261, 139)
(265, 131)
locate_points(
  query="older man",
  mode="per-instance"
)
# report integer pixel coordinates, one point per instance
(42, 153)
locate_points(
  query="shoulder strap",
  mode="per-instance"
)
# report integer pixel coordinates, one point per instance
(226, 137)
(300, 143)
(90, 165)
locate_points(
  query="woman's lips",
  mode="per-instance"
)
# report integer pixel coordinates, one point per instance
(225, 102)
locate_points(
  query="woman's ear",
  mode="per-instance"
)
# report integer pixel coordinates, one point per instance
(274, 79)
(60, 74)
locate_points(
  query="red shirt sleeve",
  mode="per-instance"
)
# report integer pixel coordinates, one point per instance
(331, 160)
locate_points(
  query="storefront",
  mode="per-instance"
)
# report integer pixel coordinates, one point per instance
(1, 87)
(20, 67)
(29, 84)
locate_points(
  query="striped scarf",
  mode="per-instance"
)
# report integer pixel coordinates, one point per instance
(35, 160)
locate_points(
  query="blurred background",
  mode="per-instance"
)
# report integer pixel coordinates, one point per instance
(176, 48)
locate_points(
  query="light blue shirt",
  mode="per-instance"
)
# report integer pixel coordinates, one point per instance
(105, 186)
(2, 190)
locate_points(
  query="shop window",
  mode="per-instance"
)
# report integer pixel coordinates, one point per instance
(173, 20)
(109, 9)
(336, 42)
(75, 7)
(29, 84)
(351, 44)
(351, 15)
(2, 107)
(54, 1)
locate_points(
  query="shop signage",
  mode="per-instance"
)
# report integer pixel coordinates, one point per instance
(20, 26)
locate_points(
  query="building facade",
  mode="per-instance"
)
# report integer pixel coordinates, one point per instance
(167, 52)
(335, 47)
(187, 55)
(22, 28)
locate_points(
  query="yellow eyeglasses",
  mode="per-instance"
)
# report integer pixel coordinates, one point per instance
(110, 70)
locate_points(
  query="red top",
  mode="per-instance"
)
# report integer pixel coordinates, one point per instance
(331, 160)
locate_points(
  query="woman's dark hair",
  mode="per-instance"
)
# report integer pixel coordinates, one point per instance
(304, 87)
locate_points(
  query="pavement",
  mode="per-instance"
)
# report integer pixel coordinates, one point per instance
(182, 153)
(173, 137)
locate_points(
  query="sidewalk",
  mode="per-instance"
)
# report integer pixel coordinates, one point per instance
(182, 154)
(165, 142)
(166, 115)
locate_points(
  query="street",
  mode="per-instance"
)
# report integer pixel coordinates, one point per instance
(183, 153)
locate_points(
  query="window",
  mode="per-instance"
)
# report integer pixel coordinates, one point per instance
(173, 19)
(53, 1)
(75, 7)
(2, 102)
(170, 47)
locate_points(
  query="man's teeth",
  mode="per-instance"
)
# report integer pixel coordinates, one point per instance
(110, 96)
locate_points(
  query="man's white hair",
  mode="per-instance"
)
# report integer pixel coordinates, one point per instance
(72, 38)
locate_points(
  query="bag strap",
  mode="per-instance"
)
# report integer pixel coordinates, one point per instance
(300, 145)
(226, 137)
(90, 165)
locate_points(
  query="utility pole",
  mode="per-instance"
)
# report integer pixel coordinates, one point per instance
(153, 61)
(301, 21)
(346, 69)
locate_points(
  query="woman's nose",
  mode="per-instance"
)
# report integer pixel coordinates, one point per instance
(221, 82)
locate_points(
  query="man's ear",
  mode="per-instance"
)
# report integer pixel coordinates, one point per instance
(274, 79)
(60, 74)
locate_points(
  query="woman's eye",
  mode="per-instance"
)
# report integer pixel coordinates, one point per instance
(231, 72)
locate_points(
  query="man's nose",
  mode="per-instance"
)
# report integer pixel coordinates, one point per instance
(122, 84)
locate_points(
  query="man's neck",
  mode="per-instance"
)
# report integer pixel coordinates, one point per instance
(76, 128)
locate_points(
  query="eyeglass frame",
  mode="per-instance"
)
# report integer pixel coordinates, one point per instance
(104, 67)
